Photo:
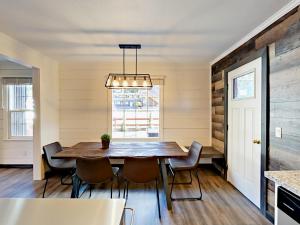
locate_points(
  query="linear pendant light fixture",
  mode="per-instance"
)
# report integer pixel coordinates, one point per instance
(127, 80)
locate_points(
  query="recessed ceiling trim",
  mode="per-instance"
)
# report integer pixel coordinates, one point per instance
(284, 10)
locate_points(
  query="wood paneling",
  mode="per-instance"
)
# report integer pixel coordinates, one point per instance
(84, 101)
(218, 111)
(283, 40)
(221, 205)
(277, 32)
(284, 107)
(290, 40)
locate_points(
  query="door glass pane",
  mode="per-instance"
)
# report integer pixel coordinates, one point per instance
(244, 86)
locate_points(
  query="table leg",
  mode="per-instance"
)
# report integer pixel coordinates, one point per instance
(165, 183)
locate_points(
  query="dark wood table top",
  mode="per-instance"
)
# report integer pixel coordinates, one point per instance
(118, 150)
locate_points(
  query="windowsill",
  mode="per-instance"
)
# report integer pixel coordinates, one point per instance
(17, 139)
(154, 139)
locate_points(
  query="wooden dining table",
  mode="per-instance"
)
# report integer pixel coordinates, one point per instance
(118, 150)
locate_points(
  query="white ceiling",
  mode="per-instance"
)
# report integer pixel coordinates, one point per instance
(90, 30)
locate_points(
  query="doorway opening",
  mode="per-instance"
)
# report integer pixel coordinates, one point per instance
(19, 130)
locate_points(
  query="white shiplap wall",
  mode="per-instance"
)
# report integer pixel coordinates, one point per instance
(12, 151)
(84, 100)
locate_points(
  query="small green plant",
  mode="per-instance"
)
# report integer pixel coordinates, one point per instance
(105, 137)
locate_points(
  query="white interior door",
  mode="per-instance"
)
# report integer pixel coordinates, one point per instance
(244, 129)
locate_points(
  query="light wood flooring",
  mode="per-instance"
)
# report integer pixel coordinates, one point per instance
(221, 205)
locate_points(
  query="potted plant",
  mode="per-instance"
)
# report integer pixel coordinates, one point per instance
(105, 138)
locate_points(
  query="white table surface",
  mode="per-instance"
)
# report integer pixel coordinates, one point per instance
(61, 211)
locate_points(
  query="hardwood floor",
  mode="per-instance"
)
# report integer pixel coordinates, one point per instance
(221, 204)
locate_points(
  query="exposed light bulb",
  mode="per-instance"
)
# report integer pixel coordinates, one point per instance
(115, 83)
(145, 82)
(125, 83)
(134, 83)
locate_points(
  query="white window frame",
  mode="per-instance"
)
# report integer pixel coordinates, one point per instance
(156, 81)
(6, 117)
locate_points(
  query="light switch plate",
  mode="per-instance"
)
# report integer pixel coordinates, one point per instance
(278, 132)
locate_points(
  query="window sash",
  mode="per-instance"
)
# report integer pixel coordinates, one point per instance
(19, 129)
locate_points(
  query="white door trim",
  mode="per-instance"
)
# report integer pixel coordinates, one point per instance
(244, 120)
(264, 53)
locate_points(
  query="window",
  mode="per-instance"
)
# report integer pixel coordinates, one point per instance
(136, 113)
(243, 86)
(18, 104)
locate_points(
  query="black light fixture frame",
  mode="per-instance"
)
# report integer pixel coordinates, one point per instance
(136, 75)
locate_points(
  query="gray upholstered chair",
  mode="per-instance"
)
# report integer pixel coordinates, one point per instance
(141, 170)
(61, 167)
(187, 164)
(95, 170)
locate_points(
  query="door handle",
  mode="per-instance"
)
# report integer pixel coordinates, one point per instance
(256, 141)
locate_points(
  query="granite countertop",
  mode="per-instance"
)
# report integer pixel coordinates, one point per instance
(289, 179)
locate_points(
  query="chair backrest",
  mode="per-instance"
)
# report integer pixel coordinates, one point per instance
(141, 169)
(94, 170)
(49, 151)
(195, 153)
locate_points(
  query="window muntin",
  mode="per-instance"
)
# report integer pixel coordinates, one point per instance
(136, 112)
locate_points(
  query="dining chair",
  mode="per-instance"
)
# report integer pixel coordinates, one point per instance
(187, 164)
(96, 170)
(61, 167)
(141, 170)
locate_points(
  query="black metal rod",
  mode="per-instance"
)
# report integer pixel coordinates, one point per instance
(123, 60)
(136, 61)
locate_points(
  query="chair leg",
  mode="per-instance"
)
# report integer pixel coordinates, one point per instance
(45, 187)
(90, 191)
(127, 184)
(199, 184)
(189, 198)
(189, 182)
(157, 196)
(124, 192)
(111, 187)
(172, 185)
(118, 180)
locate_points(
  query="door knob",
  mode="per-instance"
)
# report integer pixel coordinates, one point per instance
(256, 141)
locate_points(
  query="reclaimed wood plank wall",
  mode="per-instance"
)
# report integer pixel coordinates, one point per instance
(218, 111)
(282, 37)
